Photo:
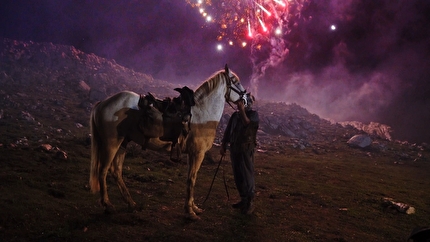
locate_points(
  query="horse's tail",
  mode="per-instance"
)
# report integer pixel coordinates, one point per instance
(95, 153)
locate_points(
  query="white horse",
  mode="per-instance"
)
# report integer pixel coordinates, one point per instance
(114, 122)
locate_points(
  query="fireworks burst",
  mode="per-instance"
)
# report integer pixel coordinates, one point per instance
(258, 24)
(241, 21)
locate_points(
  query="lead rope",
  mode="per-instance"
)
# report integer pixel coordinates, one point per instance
(225, 184)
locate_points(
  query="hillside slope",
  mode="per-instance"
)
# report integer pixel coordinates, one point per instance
(43, 82)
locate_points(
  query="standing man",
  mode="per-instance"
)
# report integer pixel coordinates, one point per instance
(241, 133)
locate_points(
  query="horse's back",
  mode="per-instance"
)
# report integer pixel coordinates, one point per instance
(108, 114)
(124, 99)
(110, 108)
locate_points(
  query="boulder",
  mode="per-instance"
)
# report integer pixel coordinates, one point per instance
(360, 140)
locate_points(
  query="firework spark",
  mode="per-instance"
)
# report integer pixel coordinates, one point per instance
(263, 25)
(264, 9)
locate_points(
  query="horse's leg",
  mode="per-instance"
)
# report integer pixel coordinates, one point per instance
(194, 162)
(106, 158)
(116, 170)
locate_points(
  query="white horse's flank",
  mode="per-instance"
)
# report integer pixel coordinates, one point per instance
(114, 123)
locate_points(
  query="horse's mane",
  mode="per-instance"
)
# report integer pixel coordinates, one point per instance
(209, 85)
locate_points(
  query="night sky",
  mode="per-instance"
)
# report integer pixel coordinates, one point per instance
(375, 66)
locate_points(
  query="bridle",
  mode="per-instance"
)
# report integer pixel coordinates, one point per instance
(232, 86)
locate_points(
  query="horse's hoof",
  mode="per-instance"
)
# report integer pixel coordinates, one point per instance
(192, 217)
(197, 210)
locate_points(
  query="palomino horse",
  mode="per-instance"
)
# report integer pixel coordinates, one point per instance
(114, 123)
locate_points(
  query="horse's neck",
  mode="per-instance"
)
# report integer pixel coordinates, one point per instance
(210, 108)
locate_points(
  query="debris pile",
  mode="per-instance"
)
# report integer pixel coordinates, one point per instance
(391, 205)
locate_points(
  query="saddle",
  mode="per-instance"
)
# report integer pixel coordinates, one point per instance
(166, 119)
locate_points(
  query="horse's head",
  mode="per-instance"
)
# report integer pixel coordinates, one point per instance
(235, 90)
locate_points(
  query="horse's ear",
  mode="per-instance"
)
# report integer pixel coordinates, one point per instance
(226, 69)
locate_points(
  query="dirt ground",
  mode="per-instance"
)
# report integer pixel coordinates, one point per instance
(301, 196)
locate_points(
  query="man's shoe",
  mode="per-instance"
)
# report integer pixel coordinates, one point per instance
(239, 205)
(248, 208)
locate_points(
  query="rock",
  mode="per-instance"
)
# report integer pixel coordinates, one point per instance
(58, 153)
(27, 116)
(22, 141)
(61, 155)
(45, 147)
(360, 140)
(84, 86)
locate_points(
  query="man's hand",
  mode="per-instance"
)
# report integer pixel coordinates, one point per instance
(240, 105)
